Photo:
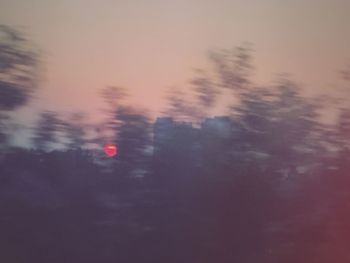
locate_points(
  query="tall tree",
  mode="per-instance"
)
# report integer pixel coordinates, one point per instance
(18, 68)
(75, 130)
(126, 126)
(47, 130)
(206, 92)
(133, 137)
(114, 98)
(18, 73)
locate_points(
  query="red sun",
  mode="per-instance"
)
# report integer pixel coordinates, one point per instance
(110, 149)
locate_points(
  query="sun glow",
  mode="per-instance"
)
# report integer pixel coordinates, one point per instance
(110, 150)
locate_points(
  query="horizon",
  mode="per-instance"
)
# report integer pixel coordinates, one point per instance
(147, 47)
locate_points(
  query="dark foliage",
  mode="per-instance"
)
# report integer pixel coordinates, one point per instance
(18, 71)
(257, 185)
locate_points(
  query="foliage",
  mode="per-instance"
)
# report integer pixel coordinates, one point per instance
(18, 68)
(257, 185)
(47, 130)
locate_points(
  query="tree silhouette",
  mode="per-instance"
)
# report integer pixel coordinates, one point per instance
(175, 148)
(233, 67)
(280, 122)
(128, 127)
(133, 138)
(47, 130)
(180, 107)
(206, 92)
(223, 188)
(18, 68)
(114, 98)
(75, 130)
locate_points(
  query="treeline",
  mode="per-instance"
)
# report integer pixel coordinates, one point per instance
(266, 182)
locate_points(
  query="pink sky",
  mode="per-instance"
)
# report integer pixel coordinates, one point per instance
(147, 46)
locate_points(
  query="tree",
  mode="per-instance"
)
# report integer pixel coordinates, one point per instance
(280, 123)
(175, 148)
(133, 137)
(114, 97)
(206, 92)
(75, 130)
(18, 68)
(180, 107)
(233, 67)
(128, 127)
(277, 120)
(47, 130)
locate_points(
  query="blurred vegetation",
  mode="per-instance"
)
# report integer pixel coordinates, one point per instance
(267, 182)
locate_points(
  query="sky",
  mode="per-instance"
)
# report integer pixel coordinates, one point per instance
(149, 46)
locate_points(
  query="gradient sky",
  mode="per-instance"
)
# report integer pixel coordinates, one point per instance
(150, 45)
